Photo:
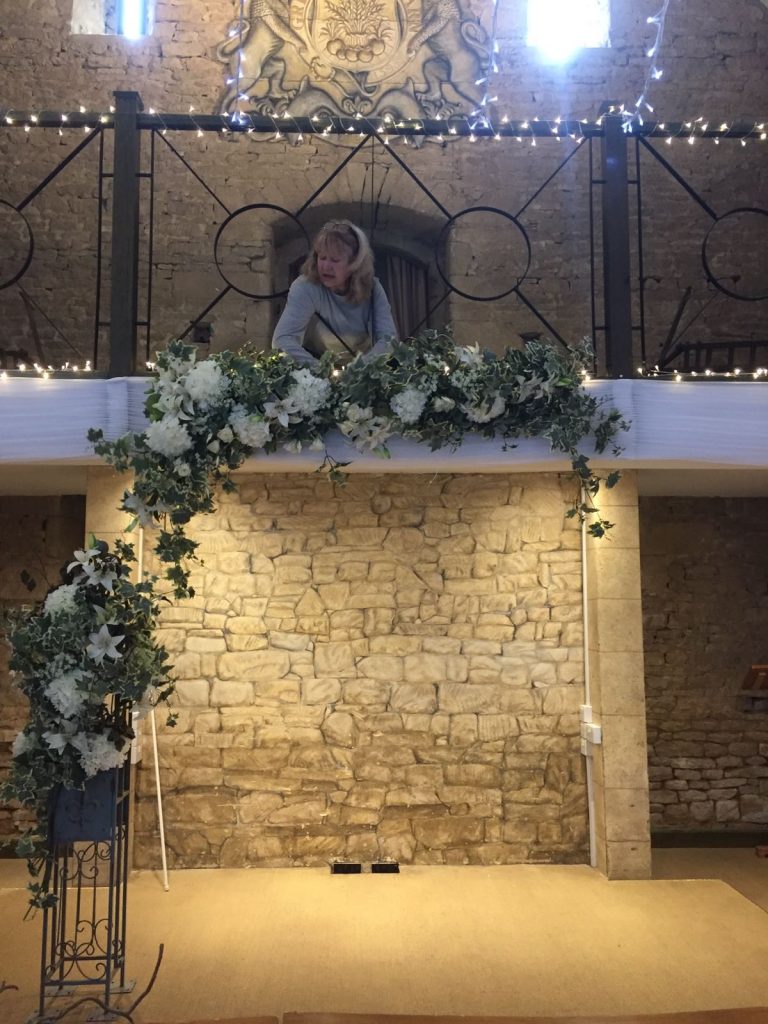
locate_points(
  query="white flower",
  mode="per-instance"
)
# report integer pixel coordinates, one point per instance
(23, 743)
(309, 393)
(62, 692)
(182, 469)
(408, 405)
(442, 404)
(56, 740)
(357, 413)
(98, 753)
(366, 431)
(250, 430)
(284, 411)
(170, 367)
(168, 436)
(82, 558)
(225, 435)
(318, 445)
(293, 446)
(485, 412)
(61, 601)
(470, 355)
(205, 383)
(173, 398)
(99, 576)
(103, 645)
(144, 513)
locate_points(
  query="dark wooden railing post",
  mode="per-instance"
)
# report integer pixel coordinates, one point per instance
(617, 294)
(125, 235)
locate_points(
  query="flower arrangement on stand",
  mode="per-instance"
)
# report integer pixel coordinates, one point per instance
(206, 418)
(83, 659)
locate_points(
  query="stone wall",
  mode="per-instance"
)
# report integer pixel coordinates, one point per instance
(705, 597)
(37, 534)
(391, 670)
(713, 57)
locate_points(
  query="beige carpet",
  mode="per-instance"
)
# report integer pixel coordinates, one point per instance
(740, 867)
(505, 941)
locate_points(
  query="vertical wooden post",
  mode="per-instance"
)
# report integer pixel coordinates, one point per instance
(617, 294)
(125, 235)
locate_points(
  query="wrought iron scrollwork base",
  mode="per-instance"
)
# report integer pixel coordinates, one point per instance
(83, 946)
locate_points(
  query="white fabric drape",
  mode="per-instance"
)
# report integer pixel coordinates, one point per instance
(704, 425)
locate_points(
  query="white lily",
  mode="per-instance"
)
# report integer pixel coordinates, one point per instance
(103, 645)
(82, 558)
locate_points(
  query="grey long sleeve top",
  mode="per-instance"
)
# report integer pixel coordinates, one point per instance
(302, 335)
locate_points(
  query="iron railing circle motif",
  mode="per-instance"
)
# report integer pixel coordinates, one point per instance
(30, 247)
(717, 282)
(441, 246)
(223, 227)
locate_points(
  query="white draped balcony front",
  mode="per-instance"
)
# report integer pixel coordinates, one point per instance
(707, 425)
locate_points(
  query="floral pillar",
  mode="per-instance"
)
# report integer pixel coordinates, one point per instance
(617, 691)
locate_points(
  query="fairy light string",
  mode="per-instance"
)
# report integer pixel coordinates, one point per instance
(653, 73)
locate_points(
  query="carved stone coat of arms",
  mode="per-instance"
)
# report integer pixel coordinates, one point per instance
(406, 58)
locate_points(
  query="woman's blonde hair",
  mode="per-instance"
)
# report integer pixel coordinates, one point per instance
(338, 235)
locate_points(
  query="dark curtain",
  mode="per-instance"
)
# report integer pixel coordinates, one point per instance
(406, 283)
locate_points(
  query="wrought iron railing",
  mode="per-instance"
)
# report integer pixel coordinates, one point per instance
(124, 254)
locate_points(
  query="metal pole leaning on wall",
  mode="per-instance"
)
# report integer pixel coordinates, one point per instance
(125, 235)
(617, 294)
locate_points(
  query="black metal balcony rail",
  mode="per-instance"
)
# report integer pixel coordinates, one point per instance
(616, 216)
(325, 123)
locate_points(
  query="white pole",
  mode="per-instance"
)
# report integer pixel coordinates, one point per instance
(587, 690)
(154, 747)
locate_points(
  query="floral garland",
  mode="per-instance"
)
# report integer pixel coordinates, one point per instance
(83, 659)
(206, 418)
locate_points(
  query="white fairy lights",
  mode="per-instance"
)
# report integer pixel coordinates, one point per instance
(297, 130)
(654, 71)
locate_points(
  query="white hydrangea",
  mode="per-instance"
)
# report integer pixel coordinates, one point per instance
(63, 693)
(168, 437)
(205, 383)
(408, 405)
(61, 601)
(97, 752)
(309, 393)
(251, 430)
(484, 412)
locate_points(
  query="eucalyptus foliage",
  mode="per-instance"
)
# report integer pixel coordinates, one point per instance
(206, 418)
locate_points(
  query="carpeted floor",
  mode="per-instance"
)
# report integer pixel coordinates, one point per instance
(506, 941)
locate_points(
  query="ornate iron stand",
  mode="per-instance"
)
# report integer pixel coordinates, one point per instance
(83, 947)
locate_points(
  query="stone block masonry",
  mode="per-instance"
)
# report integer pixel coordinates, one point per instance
(705, 597)
(389, 670)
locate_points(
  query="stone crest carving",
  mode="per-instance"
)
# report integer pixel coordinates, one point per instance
(407, 58)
